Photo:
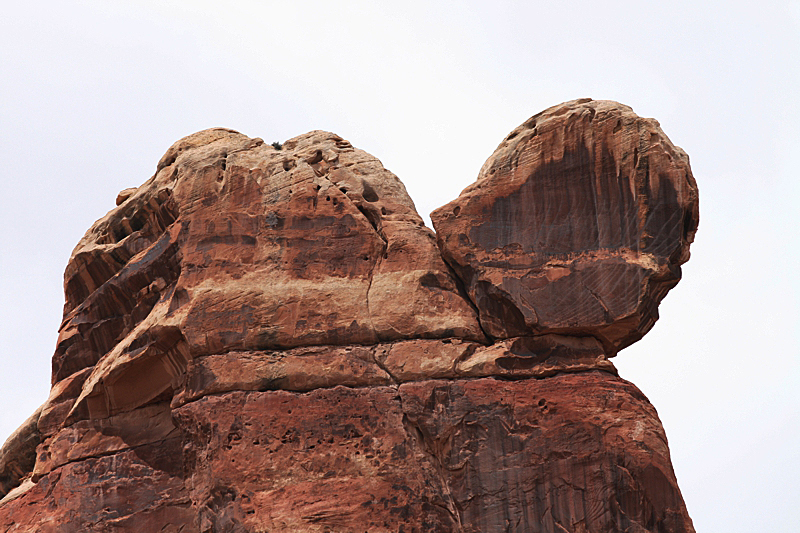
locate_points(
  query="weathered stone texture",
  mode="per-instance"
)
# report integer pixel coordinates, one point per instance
(234, 245)
(577, 224)
(574, 452)
(262, 339)
(329, 460)
(18, 454)
(134, 490)
(471, 456)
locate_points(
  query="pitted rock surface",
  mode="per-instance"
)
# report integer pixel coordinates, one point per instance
(577, 224)
(262, 339)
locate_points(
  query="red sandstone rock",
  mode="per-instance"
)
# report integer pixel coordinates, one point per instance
(471, 456)
(538, 455)
(18, 454)
(134, 490)
(329, 460)
(577, 224)
(269, 340)
(234, 245)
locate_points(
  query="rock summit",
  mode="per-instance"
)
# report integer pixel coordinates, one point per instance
(268, 338)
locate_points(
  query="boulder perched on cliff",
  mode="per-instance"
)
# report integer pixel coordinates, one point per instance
(577, 224)
(268, 338)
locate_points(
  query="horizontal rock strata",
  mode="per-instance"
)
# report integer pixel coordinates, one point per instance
(234, 245)
(268, 338)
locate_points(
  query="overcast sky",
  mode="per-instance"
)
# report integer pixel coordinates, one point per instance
(92, 93)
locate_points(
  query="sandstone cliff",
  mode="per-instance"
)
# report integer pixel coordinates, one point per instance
(270, 339)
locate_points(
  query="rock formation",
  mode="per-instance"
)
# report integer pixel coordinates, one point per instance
(577, 224)
(269, 339)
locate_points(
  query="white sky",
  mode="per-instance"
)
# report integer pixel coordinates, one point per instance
(92, 93)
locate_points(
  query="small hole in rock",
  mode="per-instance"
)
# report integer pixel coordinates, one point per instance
(316, 158)
(369, 193)
(456, 210)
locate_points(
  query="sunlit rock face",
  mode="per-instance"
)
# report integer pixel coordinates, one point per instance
(234, 245)
(577, 224)
(268, 338)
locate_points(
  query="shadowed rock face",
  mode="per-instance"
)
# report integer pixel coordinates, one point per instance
(261, 339)
(577, 224)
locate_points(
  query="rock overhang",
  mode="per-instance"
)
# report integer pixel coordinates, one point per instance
(576, 225)
(553, 260)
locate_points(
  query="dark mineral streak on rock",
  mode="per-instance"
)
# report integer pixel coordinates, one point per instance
(267, 338)
(534, 456)
(577, 224)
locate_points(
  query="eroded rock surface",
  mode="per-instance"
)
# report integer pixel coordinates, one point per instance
(18, 454)
(577, 224)
(262, 339)
(234, 245)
